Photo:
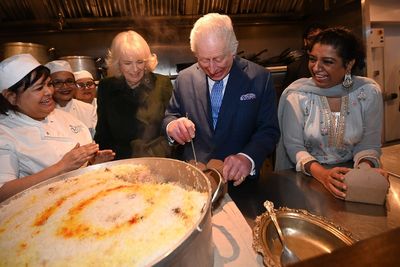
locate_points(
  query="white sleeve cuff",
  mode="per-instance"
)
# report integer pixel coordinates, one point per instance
(302, 158)
(370, 154)
(253, 167)
(170, 140)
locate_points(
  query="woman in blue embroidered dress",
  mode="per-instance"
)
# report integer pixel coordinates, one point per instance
(332, 117)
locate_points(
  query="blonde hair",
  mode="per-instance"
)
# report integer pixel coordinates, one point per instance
(129, 43)
(217, 25)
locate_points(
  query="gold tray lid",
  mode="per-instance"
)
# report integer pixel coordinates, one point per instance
(306, 234)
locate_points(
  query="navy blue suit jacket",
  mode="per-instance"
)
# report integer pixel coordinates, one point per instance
(247, 120)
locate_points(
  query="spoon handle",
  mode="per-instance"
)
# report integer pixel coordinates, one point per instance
(270, 208)
(191, 143)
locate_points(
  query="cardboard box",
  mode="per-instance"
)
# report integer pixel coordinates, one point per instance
(366, 185)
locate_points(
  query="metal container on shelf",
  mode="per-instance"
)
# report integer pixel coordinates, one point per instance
(42, 53)
(83, 63)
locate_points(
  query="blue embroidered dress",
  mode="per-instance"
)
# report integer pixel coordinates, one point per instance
(310, 131)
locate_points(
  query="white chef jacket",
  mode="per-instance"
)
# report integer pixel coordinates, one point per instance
(85, 112)
(94, 103)
(27, 146)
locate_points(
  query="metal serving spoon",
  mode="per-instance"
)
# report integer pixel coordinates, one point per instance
(191, 143)
(287, 256)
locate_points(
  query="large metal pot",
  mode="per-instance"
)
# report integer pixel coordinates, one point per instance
(83, 63)
(38, 51)
(196, 247)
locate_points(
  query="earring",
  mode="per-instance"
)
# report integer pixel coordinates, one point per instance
(347, 81)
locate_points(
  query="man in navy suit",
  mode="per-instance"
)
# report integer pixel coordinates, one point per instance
(246, 126)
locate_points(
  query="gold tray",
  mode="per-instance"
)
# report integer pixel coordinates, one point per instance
(307, 235)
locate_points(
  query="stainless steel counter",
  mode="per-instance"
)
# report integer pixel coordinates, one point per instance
(297, 191)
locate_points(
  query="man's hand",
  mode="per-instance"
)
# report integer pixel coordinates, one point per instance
(236, 168)
(182, 130)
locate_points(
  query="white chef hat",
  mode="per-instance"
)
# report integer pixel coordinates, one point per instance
(82, 74)
(58, 65)
(14, 68)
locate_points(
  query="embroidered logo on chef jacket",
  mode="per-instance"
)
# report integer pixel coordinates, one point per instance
(248, 96)
(75, 128)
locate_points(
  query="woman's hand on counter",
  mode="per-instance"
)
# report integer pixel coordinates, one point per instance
(332, 179)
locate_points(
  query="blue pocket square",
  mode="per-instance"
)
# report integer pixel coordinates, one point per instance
(248, 96)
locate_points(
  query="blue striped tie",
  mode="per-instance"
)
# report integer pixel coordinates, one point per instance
(216, 99)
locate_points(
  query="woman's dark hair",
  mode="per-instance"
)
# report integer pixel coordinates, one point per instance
(312, 28)
(346, 43)
(23, 84)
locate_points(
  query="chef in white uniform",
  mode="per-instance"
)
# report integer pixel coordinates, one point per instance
(86, 87)
(37, 141)
(64, 91)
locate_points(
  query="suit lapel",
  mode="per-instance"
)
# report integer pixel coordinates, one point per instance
(235, 87)
(202, 94)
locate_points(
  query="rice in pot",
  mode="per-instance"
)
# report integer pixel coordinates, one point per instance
(110, 217)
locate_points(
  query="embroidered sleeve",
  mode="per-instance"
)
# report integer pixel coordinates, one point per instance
(370, 154)
(302, 159)
(369, 147)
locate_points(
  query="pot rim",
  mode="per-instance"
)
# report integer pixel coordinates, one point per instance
(24, 44)
(192, 232)
(77, 57)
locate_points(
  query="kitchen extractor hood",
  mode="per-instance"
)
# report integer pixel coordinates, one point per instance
(67, 14)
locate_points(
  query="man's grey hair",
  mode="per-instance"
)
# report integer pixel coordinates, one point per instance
(215, 24)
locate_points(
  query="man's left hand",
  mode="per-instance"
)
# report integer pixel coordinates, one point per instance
(236, 168)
